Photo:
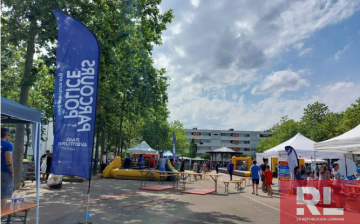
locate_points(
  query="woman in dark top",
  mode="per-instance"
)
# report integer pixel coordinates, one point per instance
(182, 166)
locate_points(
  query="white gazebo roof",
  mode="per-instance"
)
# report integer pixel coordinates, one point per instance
(349, 142)
(223, 149)
(143, 148)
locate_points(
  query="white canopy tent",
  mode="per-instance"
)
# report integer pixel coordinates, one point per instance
(348, 142)
(143, 148)
(303, 146)
(15, 113)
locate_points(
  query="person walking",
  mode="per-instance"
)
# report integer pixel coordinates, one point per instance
(230, 169)
(255, 175)
(7, 168)
(268, 180)
(46, 164)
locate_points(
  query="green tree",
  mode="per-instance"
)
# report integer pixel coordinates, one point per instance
(182, 143)
(206, 156)
(314, 115)
(129, 85)
(330, 126)
(192, 149)
(351, 117)
(282, 131)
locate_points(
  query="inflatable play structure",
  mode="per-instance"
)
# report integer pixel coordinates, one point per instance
(113, 170)
(245, 163)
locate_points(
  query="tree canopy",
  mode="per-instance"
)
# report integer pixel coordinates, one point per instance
(132, 94)
(317, 123)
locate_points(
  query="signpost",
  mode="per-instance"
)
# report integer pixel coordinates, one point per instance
(283, 170)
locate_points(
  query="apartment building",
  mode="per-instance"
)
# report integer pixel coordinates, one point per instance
(239, 141)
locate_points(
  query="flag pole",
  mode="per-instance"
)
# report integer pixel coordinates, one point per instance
(87, 204)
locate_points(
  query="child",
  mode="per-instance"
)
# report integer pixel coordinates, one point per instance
(268, 180)
(310, 175)
(255, 176)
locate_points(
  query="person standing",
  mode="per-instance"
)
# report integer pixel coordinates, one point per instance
(127, 162)
(140, 162)
(162, 162)
(255, 176)
(268, 180)
(198, 169)
(337, 183)
(230, 169)
(195, 167)
(103, 162)
(217, 168)
(263, 168)
(152, 167)
(47, 159)
(7, 168)
(195, 170)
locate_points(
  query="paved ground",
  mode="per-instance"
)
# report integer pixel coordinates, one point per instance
(120, 201)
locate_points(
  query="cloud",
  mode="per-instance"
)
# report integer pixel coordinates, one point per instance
(226, 45)
(340, 52)
(195, 3)
(340, 95)
(305, 51)
(279, 82)
(195, 109)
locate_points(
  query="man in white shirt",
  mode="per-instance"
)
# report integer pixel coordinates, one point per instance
(103, 161)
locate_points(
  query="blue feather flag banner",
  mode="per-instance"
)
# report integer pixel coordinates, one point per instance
(75, 98)
(174, 142)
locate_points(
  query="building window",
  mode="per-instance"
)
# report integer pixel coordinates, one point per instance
(246, 142)
(265, 135)
(254, 135)
(204, 141)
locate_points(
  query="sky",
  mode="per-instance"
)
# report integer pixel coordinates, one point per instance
(244, 64)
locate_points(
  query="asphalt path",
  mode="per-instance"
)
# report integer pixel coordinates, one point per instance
(120, 201)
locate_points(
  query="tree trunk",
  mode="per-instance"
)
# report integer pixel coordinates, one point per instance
(24, 95)
(130, 133)
(103, 139)
(120, 142)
